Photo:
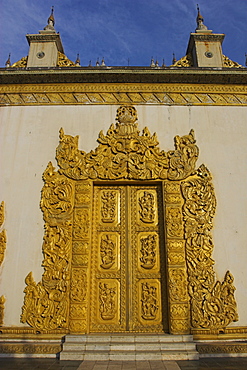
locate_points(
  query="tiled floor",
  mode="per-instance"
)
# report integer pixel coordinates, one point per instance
(52, 364)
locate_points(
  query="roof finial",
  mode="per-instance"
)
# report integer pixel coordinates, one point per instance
(8, 62)
(50, 21)
(77, 62)
(173, 58)
(152, 62)
(199, 21)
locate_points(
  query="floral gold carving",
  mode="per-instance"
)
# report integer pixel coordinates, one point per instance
(2, 301)
(78, 285)
(1, 213)
(177, 284)
(46, 304)
(212, 303)
(108, 206)
(107, 299)
(148, 251)
(63, 61)
(182, 160)
(174, 222)
(228, 63)
(22, 63)
(147, 207)
(124, 154)
(184, 62)
(81, 223)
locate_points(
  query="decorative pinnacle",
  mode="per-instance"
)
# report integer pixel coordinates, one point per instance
(126, 114)
(51, 18)
(50, 21)
(77, 62)
(199, 20)
(8, 62)
(173, 58)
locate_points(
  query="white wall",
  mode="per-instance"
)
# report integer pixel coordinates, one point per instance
(29, 137)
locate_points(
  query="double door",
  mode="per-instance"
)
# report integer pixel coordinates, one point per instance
(128, 287)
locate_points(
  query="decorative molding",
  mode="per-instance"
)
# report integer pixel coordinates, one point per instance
(234, 332)
(216, 348)
(27, 331)
(31, 348)
(61, 299)
(165, 94)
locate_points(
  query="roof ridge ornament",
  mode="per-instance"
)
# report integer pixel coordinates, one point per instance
(199, 20)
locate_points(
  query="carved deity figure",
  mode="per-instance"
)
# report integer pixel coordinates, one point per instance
(148, 251)
(147, 211)
(107, 248)
(108, 206)
(149, 302)
(107, 301)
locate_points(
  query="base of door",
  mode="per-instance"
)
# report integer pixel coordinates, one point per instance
(124, 347)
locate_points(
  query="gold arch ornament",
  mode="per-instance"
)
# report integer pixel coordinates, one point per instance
(196, 300)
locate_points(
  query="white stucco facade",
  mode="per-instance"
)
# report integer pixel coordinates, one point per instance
(29, 136)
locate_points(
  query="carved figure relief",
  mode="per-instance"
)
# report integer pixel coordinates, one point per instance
(149, 301)
(148, 251)
(195, 298)
(107, 301)
(109, 206)
(107, 251)
(147, 207)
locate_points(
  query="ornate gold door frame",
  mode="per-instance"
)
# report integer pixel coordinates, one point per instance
(61, 300)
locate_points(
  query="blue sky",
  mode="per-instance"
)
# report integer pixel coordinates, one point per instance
(122, 30)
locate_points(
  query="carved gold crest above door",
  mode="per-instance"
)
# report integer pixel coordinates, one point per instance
(127, 244)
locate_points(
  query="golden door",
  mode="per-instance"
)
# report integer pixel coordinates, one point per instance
(128, 287)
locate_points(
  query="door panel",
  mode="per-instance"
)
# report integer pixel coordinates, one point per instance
(127, 292)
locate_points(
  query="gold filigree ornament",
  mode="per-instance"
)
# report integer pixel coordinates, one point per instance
(22, 63)
(228, 63)
(186, 61)
(61, 299)
(212, 303)
(64, 61)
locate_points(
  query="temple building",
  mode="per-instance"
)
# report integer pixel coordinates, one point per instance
(124, 209)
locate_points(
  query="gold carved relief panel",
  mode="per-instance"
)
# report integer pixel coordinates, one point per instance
(128, 244)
